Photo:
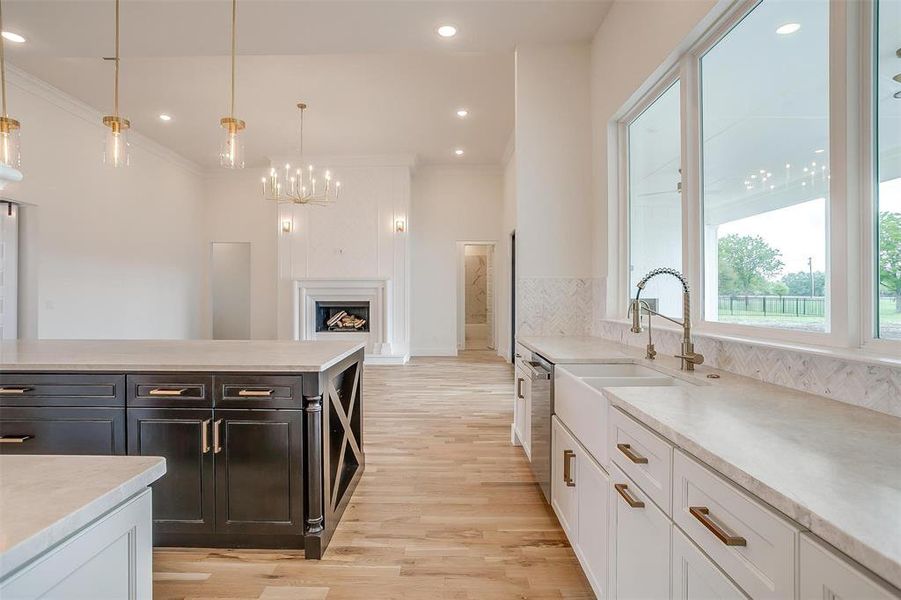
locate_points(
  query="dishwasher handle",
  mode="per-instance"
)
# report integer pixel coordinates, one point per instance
(536, 370)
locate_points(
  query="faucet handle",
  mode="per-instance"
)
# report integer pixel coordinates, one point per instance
(693, 357)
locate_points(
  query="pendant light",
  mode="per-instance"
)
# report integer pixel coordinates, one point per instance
(115, 152)
(231, 151)
(9, 128)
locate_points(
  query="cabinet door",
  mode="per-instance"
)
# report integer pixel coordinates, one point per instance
(695, 577)
(519, 405)
(53, 430)
(526, 438)
(564, 473)
(825, 574)
(593, 491)
(183, 498)
(640, 542)
(259, 471)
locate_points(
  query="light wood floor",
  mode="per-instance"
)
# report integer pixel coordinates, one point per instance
(447, 508)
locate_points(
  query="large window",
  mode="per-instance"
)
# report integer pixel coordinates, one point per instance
(655, 200)
(765, 169)
(888, 114)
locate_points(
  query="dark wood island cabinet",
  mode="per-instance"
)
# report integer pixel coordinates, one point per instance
(262, 456)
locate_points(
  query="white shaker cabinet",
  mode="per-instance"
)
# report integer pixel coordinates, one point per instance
(519, 406)
(640, 542)
(593, 496)
(695, 577)
(824, 574)
(565, 457)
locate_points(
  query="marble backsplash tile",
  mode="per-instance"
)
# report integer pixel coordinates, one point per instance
(555, 306)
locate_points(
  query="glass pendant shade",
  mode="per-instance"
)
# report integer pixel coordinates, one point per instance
(9, 143)
(231, 150)
(116, 148)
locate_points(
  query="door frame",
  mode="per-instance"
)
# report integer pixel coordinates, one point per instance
(461, 288)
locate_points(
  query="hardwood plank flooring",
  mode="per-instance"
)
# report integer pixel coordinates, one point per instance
(446, 510)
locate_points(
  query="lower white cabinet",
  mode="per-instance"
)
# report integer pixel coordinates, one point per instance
(565, 453)
(593, 495)
(695, 577)
(640, 542)
(824, 574)
(519, 406)
(110, 559)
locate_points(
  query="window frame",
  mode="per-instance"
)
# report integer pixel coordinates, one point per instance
(850, 218)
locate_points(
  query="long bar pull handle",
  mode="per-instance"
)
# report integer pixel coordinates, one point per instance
(627, 496)
(519, 395)
(9, 391)
(14, 439)
(257, 393)
(702, 514)
(568, 455)
(631, 455)
(167, 391)
(205, 436)
(217, 446)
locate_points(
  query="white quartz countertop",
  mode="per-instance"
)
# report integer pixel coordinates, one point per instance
(832, 467)
(44, 499)
(174, 355)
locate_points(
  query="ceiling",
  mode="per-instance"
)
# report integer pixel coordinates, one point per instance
(376, 77)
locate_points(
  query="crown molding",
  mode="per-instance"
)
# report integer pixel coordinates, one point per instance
(33, 85)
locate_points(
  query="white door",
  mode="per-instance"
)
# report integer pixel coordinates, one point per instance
(9, 259)
(640, 542)
(593, 491)
(695, 577)
(564, 479)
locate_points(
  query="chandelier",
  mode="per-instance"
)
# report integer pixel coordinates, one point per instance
(303, 185)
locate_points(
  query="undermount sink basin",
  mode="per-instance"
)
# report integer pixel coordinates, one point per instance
(613, 371)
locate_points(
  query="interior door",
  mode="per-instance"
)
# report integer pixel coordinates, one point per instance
(184, 498)
(259, 470)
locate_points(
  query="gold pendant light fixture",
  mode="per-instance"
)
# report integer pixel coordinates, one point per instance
(231, 151)
(115, 152)
(301, 186)
(9, 127)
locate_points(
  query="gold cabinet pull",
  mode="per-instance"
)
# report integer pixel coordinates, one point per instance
(167, 391)
(519, 395)
(702, 514)
(14, 439)
(10, 391)
(631, 455)
(257, 393)
(217, 447)
(568, 455)
(205, 436)
(622, 488)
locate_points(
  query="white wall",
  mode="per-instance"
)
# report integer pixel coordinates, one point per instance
(236, 212)
(106, 253)
(504, 254)
(631, 44)
(450, 204)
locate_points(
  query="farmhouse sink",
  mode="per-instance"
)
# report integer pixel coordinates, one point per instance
(629, 370)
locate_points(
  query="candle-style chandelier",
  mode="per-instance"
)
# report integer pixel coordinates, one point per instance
(301, 184)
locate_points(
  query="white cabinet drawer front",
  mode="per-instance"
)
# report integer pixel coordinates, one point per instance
(564, 472)
(695, 577)
(640, 543)
(751, 543)
(522, 353)
(826, 574)
(643, 455)
(593, 491)
(584, 411)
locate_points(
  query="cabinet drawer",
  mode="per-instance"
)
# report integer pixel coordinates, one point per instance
(258, 391)
(62, 430)
(643, 455)
(176, 390)
(754, 546)
(61, 389)
(522, 352)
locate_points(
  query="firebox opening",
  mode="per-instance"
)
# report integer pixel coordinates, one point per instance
(342, 316)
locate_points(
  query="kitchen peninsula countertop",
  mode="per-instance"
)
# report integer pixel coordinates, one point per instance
(174, 355)
(832, 467)
(44, 499)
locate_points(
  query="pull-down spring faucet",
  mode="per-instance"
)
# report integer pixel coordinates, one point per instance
(688, 356)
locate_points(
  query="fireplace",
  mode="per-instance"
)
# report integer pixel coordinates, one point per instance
(342, 316)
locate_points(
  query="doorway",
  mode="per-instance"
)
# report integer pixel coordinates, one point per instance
(230, 288)
(476, 296)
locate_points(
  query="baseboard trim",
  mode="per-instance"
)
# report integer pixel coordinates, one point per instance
(436, 351)
(381, 359)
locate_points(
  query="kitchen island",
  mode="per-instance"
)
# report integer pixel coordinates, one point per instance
(263, 439)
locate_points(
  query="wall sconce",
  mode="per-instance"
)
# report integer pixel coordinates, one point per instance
(287, 225)
(400, 225)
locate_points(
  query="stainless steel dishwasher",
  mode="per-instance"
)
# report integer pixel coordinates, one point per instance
(541, 377)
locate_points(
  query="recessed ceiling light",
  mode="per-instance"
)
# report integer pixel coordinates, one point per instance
(459, 151)
(462, 113)
(13, 37)
(788, 28)
(165, 117)
(447, 31)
